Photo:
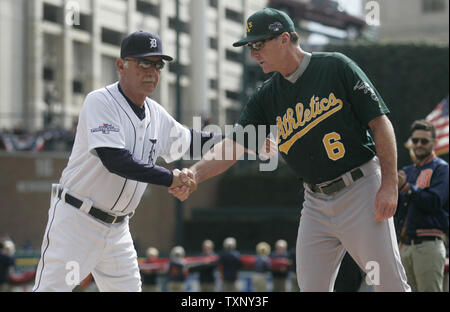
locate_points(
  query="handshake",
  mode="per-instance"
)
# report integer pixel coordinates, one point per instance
(183, 183)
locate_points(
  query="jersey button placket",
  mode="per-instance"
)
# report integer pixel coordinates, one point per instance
(141, 132)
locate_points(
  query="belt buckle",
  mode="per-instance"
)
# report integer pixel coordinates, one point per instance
(325, 184)
(115, 219)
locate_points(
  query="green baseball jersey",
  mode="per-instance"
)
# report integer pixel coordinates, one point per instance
(322, 118)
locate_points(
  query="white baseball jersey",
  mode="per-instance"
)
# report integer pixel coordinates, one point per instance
(107, 120)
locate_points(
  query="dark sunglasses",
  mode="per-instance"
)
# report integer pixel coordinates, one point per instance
(258, 45)
(146, 64)
(422, 141)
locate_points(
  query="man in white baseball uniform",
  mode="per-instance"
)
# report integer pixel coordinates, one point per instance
(120, 134)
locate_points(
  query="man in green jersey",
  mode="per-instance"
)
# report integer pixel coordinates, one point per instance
(324, 106)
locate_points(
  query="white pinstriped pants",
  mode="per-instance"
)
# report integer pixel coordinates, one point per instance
(76, 244)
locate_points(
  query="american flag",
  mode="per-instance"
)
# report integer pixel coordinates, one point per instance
(439, 118)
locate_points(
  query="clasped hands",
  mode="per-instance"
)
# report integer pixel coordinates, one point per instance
(183, 183)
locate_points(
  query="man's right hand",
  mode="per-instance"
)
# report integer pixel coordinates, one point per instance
(401, 178)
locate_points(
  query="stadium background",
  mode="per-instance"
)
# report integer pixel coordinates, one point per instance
(249, 205)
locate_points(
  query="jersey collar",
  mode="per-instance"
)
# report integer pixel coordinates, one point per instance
(140, 112)
(301, 68)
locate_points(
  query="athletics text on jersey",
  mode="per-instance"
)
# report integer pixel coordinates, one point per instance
(322, 121)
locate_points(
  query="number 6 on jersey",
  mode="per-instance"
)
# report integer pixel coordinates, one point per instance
(334, 148)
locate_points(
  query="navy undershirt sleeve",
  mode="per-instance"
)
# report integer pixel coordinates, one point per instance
(121, 162)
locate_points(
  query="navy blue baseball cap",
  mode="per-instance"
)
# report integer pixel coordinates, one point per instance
(142, 44)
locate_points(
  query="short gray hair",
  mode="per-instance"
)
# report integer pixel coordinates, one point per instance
(125, 64)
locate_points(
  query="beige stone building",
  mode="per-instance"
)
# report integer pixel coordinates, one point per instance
(53, 52)
(413, 20)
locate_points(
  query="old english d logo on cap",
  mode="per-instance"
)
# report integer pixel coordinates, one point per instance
(265, 23)
(142, 44)
(153, 43)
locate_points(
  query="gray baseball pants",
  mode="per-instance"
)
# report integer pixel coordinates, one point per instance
(332, 224)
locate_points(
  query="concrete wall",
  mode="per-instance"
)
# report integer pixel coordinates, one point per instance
(406, 20)
(25, 197)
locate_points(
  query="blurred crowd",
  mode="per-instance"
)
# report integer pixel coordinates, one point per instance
(221, 271)
(54, 139)
(209, 270)
(267, 269)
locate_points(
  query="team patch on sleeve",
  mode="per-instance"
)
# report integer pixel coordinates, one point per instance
(105, 129)
(366, 88)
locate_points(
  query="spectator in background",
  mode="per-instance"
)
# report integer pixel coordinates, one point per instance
(229, 265)
(280, 271)
(422, 211)
(177, 271)
(7, 263)
(262, 267)
(149, 276)
(207, 270)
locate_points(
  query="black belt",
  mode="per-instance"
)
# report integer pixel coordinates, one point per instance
(420, 240)
(95, 212)
(336, 185)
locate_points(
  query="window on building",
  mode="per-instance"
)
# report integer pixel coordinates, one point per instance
(234, 16)
(48, 74)
(77, 86)
(85, 23)
(184, 27)
(213, 3)
(213, 44)
(51, 13)
(232, 95)
(182, 69)
(213, 84)
(146, 7)
(111, 36)
(214, 104)
(233, 56)
(433, 6)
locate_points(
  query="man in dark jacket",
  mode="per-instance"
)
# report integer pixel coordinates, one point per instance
(422, 213)
(229, 264)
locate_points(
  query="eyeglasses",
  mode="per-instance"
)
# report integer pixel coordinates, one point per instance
(146, 64)
(258, 45)
(422, 141)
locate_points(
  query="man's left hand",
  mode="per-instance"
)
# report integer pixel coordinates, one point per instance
(385, 203)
